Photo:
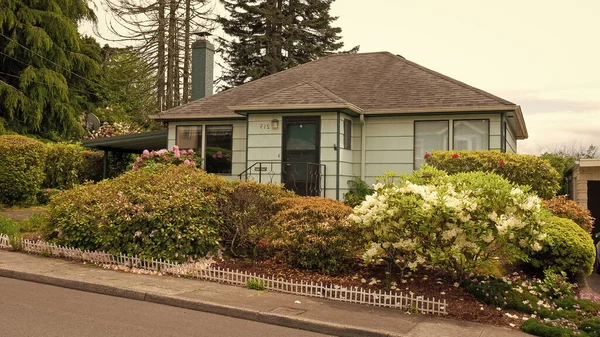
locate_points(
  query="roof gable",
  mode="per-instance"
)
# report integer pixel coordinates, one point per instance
(303, 93)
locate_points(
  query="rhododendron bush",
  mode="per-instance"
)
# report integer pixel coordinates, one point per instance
(455, 222)
(164, 156)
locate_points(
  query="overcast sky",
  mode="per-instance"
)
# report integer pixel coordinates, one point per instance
(543, 55)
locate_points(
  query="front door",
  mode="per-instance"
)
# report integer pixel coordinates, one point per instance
(300, 155)
(594, 203)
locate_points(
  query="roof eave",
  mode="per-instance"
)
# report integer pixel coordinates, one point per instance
(193, 117)
(244, 110)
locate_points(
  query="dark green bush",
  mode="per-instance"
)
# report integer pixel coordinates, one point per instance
(537, 328)
(359, 190)
(246, 214)
(169, 212)
(315, 233)
(22, 164)
(70, 164)
(567, 247)
(591, 326)
(8, 226)
(520, 169)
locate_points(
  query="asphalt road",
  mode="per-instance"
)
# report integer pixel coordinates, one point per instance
(32, 309)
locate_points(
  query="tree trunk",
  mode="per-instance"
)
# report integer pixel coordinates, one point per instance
(171, 53)
(160, 71)
(176, 74)
(186, 51)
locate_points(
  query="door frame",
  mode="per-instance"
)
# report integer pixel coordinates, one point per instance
(298, 119)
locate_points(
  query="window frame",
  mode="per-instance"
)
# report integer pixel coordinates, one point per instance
(347, 134)
(415, 136)
(203, 143)
(489, 127)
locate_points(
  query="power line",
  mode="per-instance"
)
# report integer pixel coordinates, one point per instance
(50, 85)
(56, 64)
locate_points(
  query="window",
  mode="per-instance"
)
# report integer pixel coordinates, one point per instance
(347, 134)
(189, 137)
(219, 142)
(429, 136)
(218, 145)
(472, 134)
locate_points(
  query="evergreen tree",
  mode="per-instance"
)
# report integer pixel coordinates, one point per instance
(267, 36)
(47, 72)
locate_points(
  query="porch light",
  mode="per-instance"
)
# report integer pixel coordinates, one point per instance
(274, 124)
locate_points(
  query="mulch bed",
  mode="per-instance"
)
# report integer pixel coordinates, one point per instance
(430, 283)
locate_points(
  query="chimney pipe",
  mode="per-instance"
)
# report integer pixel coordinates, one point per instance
(203, 55)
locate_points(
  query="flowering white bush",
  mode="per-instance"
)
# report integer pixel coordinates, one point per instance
(454, 222)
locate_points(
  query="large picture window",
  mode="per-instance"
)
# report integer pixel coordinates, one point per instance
(218, 145)
(471, 134)
(219, 142)
(429, 136)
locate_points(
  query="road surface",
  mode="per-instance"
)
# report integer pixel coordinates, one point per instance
(32, 309)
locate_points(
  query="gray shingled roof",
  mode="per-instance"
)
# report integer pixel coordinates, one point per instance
(370, 81)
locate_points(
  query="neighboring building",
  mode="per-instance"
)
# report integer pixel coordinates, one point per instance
(316, 126)
(583, 180)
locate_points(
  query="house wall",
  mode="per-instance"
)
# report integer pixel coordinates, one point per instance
(265, 145)
(581, 176)
(349, 158)
(238, 155)
(511, 140)
(390, 141)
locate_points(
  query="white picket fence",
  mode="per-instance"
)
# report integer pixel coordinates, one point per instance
(193, 270)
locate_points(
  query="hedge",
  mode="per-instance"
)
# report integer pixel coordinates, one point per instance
(71, 164)
(169, 212)
(22, 164)
(521, 169)
(567, 247)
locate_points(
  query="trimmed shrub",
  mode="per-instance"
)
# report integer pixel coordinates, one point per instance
(246, 214)
(8, 226)
(456, 222)
(22, 164)
(71, 164)
(167, 212)
(314, 233)
(567, 247)
(520, 169)
(569, 209)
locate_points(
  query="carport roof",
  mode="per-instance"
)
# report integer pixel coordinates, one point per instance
(133, 143)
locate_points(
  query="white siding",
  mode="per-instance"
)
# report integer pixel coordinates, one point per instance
(511, 141)
(238, 154)
(390, 141)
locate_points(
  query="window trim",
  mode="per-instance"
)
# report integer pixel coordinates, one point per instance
(203, 143)
(471, 119)
(348, 134)
(415, 136)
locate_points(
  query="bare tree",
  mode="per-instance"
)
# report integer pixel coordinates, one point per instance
(153, 28)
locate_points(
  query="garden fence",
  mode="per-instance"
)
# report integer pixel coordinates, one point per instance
(379, 298)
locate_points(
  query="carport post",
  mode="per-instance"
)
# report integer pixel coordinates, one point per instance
(105, 165)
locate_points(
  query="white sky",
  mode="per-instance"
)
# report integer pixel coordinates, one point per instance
(541, 54)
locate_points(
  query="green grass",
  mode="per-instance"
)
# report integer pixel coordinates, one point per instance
(255, 284)
(8, 226)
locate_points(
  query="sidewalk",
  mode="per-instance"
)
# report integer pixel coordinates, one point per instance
(323, 316)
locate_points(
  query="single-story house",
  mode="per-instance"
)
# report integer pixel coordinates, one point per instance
(583, 181)
(316, 126)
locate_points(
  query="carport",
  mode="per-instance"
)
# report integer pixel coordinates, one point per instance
(584, 187)
(132, 143)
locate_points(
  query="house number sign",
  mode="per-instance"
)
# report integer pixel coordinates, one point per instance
(265, 126)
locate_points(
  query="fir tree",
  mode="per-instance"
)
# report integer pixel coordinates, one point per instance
(47, 72)
(267, 36)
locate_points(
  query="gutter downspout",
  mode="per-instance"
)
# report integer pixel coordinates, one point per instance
(363, 147)
(503, 132)
(337, 162)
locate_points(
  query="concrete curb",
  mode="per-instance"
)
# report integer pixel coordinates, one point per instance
(215, 308)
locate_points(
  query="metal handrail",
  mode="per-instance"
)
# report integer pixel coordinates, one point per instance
(312, 182)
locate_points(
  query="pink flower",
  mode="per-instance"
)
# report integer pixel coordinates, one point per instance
(187, 162)
(183, 151)
(176, 153)
(139, 159)
(192, 162)
(175, 148)
(167, 158)
(219, 154)
(145, 153)
(190, 151)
